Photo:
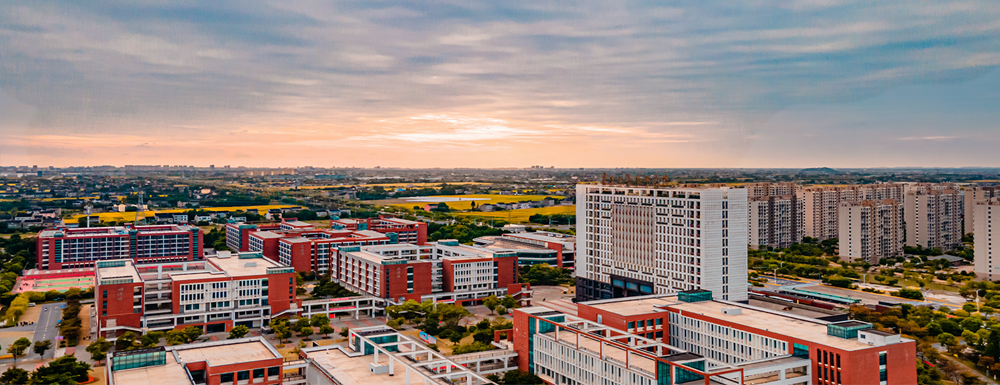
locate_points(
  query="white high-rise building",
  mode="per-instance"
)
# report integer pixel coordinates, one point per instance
(983, 212)
(637, 240)
(933, 218)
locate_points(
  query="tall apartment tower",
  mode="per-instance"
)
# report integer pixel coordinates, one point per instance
(775, 214)
(982, 213)
(821, 205)
(972, 196)
(639, 240)
(933, 218)
(870, 230)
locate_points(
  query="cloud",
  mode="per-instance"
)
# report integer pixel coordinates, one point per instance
(641, 84)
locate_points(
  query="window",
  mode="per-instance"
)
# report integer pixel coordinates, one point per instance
(226, 377)
(631, 325)
(273, 371)
(242, 376)
(258, 373)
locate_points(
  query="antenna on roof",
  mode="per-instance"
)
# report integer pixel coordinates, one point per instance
(140, 213)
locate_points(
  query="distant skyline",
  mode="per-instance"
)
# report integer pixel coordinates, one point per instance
(767, 84)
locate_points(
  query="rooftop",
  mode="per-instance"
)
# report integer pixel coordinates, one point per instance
(353, 371)
(171, 373)
(790, 325)
(227, 354)
(235, 267)
(644, 305)
(120, 271)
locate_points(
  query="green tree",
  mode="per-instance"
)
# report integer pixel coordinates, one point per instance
(491, 303)
(18, 347)
(318, 320)
(300, 323)
(281, 329)
(508, 302)
(306, 332)
(325, 330)
(452, 314)
(41, 346)
(14, 376)
(971, 308)
(946, 339)
(972, 324)
(98, 349)
(151, 338)
(238, 331)
(344, 332)
(970, 337)
(61, 369)
(191, 333)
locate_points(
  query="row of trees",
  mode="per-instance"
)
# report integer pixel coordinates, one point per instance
(463, 232)
(63, 370)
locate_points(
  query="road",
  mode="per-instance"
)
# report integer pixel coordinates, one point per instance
(46, 328)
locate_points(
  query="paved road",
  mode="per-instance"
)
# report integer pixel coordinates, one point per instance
(46, 328)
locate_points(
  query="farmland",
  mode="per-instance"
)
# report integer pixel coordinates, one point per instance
(465, 204)
(521, 216)
(130, 216)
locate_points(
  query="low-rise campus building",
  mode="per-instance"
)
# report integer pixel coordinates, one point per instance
(71, 248)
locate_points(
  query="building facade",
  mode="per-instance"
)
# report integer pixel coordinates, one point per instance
(983, 212)
(636, 240)
(442, 271)
(69, 248)
(870, 230)
(972, 196)
(554, 249)
(775, 221)
(214, 294)
(398, 229)
(820, 205)
(933, 218)
(240, 361)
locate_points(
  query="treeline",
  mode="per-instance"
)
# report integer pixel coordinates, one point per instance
(463, 232)
(555, 219)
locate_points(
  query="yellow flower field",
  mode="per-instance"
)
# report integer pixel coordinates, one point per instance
(479, 199)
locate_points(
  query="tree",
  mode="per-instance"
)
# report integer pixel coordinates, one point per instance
(970, 337)
(491, 303)
(452, 314)
(42, 346)
(344, 332)
(99, 349)
(972, 323)
(14, 376)
(191, 333)
(508, 302)
(238, 331)
(485, 336)
(325, 330)
(911, 294)
(502, 310)
(993, 345)
(971, 308)
(281, 329)
(519, 377)
(300, 323)
(306, 332)
(151, 338)
(18, 347)
(318, 320)
(126, 341)
(61, 369)
(946, 339)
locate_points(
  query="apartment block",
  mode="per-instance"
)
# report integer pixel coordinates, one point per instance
(641, 340)
(238, 234)
(240, 361)
(70, 248)
(554, 249)
(215, 294)
(775, 221)
(755, 190)
(820, 205)
(870, 230)
(983, 211)
(398, 229)
(636, 240)
(933, 218)
(444, 271)
(972, 196)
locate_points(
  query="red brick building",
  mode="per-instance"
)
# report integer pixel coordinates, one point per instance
(70, 248)
(406, 231)
(215, 294)
(240, 361)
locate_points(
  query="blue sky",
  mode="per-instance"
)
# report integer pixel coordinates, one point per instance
(493, 84)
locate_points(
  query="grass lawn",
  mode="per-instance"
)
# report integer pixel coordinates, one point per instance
(521, 216)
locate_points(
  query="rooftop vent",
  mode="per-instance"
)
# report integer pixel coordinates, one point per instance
(732, 311)
(250, 264)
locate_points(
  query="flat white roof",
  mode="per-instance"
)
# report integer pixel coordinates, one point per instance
(228, 354)
(236, 267)
(171, 373)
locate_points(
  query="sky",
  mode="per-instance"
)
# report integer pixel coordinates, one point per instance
(501, 83)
